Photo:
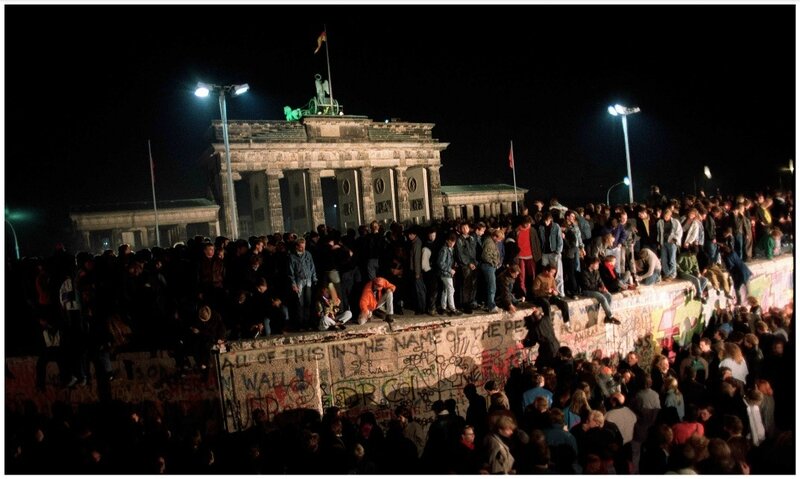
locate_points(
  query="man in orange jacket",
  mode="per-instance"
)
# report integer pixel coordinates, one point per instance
(377, 295)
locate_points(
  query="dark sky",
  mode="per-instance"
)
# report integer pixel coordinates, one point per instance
(87, 86)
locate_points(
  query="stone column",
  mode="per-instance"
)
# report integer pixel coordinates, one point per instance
(116, 238)
(435, 185)
(315, 193)
(151, 235)
(481, 210)
(274, 202)
(146, 237)
(401, 194)
(367, 200)
(227, 205)
(451, 212)
(507, 209)
(181, 232)
(87, 240)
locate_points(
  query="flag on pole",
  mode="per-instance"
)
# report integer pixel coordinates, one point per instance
(323, 37)
(511, 157)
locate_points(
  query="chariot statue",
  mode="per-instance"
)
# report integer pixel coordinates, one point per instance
(322, 104)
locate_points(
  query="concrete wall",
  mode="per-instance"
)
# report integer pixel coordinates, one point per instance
(373, 367)
(417, 361)
(149, 378)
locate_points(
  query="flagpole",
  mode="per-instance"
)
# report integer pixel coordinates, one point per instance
(153, 184)
(514, 170)
(328, 58)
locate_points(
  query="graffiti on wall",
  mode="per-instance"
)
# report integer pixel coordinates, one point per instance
(139, 377)
(415, 368)
(378, 371)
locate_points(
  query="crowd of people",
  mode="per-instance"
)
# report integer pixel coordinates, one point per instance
(192, 298)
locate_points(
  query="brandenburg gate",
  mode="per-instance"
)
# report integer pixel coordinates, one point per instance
(384, 171)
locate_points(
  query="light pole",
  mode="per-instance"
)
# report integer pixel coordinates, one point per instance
(203, 89)
(16, 243)
(706, 173)
(624, 112)
(625, 180)
(790, 169)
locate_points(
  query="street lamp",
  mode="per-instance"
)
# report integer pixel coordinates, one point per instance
(706, 173)
(16, 243)
(617, 110)
(790, 169)
(626, 181)
(203, 90)
(14, 216)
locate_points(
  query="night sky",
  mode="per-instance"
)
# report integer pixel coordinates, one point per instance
(87, 86)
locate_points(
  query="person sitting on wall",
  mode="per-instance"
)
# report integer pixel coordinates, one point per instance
(328, 309)
(651, 267)
(545, 294)
(504, 298)
(593, 287)
(377, 297)
(614, 283)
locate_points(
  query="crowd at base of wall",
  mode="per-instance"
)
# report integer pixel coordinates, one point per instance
(376, 366)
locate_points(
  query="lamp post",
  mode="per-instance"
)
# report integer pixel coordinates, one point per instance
(203, 90)
(626, 181)
(14, 233)
(619, 110)
(790, 169)
(706, 173)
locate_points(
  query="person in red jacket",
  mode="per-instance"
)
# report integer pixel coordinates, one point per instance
(377, 295)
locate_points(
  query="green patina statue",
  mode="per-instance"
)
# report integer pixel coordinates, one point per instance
(292, 115)
(322, 104)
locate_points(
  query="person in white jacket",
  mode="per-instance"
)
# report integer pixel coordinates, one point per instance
(757, 432)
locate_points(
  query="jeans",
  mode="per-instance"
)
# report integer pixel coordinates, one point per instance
(603, 298)
(419, 289)
(348, 280)
(469, 287)
(668, 263)
(699, 282)
(387, 302)
(712, 250)
(448, 293)
(738, 244)
(652, 279)
(303, 306)
(571, 274)
(545, 302)
(325, 322)
(431, 288)
(491, 284)
(372, 268)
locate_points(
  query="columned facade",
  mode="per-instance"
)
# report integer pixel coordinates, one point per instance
(105, 227)
(381, 162)
(472, 202)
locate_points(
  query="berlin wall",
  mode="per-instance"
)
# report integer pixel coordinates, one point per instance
(415, 362)
(377, 367)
